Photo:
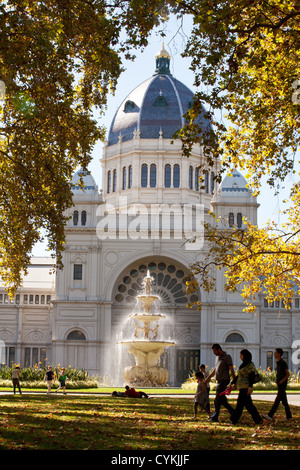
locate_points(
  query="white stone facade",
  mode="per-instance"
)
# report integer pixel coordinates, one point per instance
(95, 292)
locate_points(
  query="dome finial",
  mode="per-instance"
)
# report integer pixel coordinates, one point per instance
(162, 61)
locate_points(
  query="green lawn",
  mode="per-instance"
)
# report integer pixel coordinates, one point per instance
(86, 422)
(151, 391)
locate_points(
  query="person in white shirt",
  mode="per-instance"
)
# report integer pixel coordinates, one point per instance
(16, 379)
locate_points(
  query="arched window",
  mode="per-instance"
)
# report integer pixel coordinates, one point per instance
(239, 219)
(152, 175)
(129, 176)
(124, 178)
(231, 219)
(190, 177)
(83, 218)
(75, 218)
(160, 102)
(176, 176)
(144, 175)
(212, 182)
(207, 181)
(114, 181)
(109, 181)
(167, 176)
(196, 179)
(234, 338)
(76, 335)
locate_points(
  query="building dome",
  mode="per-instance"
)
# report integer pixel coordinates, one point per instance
(235, 183)
(88, 181)
(155, 108)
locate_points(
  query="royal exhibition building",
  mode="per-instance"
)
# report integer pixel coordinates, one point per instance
(143, 220)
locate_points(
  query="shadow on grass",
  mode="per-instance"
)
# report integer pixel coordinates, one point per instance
(55, 422)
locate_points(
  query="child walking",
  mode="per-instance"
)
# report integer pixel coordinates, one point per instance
(201, 397)
(202, 369)
(62, 380)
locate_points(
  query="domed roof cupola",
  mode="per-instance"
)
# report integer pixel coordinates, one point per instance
(235, 183)
(162, 62)
(142, 160)
(155, 108)
(83, 183)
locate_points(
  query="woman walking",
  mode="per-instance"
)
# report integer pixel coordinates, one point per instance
(244, 383)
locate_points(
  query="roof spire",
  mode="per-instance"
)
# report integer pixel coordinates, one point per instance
(162, 61)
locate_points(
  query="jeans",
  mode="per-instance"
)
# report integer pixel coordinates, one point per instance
(245, 400)
(281, 397)
(221, 400)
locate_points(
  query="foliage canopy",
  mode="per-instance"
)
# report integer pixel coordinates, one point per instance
(58, 62)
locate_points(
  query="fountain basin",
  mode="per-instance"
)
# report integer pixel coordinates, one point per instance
(147, 317)
(147, 301)
(148, 298)
(146, 372)
(146, 348)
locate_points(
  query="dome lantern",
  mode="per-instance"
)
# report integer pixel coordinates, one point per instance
(162, 62)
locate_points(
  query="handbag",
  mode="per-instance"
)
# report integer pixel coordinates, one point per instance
(257, 377)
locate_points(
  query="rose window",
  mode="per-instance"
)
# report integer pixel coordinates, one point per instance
(168, 283)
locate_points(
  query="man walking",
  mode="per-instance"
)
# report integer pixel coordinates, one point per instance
(282, 375)
(223, 368)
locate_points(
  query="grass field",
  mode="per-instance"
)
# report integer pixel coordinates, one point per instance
(89, 422)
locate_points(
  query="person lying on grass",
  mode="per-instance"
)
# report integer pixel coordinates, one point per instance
(131, 392)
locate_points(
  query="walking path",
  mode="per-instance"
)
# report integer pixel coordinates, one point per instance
(293, 399)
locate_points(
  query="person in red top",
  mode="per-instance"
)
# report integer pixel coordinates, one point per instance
(131, 392)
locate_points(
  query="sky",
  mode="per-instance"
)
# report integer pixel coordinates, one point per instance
(176, 35)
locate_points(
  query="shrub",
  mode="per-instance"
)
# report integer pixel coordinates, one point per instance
(33, 377)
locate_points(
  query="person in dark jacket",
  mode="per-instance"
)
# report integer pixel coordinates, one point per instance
(282, 375)
(244, 382)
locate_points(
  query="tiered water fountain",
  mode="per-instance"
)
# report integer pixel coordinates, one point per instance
(145, 345)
